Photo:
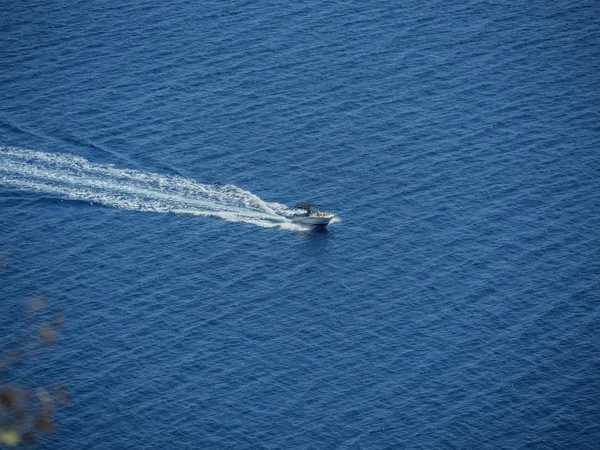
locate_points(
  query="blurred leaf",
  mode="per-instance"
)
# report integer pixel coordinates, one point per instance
(45, 400)
(10, 437)
(48, 334)
(11, 357)
(44, 424)
(28, 437)
(59, 320)
(8, 397)
(61, 394)
(37, 303)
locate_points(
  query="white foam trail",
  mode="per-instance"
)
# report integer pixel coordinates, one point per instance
(74, 177)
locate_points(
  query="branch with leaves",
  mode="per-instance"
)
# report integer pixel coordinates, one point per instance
(26, 412)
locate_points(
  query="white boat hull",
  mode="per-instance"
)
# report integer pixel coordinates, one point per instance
(313, 220)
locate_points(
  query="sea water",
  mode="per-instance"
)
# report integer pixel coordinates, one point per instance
(150, 158)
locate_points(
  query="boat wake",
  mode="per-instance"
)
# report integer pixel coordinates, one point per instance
(74, 177)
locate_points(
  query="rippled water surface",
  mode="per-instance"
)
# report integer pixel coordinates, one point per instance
(149, 157)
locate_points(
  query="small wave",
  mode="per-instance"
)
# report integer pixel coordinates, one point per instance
(73, 177)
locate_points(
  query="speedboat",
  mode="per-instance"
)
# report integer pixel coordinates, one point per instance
(312, 218)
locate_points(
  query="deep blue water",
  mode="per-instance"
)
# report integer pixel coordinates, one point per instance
(148, 150)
